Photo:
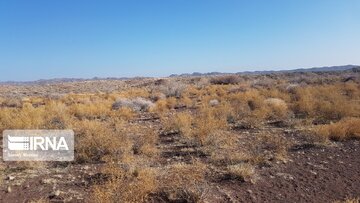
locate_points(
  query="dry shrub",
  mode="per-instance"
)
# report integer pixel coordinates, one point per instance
(141, 139)
(228, 156)
(160, 107)
(271, 108)
(206, 123)
(276, 92)
(215, 91)
(349, 200)
(215, 141)
(327, 102)
(52, 115)
(134, 92)
(263, 82)
(178, 182)
(250, 107)
(183, 182)
(38, 101)
(95, 140)
(27, 117)
(351, 90)
(226, 80)
(11, 103)
(253, 98)
(119, 125)
(145, 140)
(268, 147)
(278, 108)
(124, 113)
(224, 149)
(304, 103)
(30, 117)
(137, 104)
(98, 110)
(164, 105)
(346, 128)
(202, 82)
(57, 115)
(70, 99)
(149, 150)
(171, 102)
(239, 105)
(192, 91)
(243, 172)
(155, 96)
(142, 104)
(180, 122)
(186, 101)
(172, 88)
(217, 106)
(125, 186)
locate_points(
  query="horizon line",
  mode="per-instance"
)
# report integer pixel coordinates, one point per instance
(174, 74)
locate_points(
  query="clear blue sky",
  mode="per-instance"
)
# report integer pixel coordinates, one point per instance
(87, 38)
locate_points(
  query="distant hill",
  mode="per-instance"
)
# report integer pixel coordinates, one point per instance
(195, 74)
(304, 70)
(328, 68)
(315, 69)
(62, 80)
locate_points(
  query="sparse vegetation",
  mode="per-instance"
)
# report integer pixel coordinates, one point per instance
(137, 104)
(349, 200)
(243, 172)
(174, 139)
(125, 186)
(172, 88)
(346, 128)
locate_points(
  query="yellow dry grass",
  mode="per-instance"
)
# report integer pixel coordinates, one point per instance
(244, 172)
(125, 186)
(346, 128)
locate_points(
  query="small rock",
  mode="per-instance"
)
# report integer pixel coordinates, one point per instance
(57, 193)
(8, 190)
(58, 176)
(48, 181)
(252, 181)
(285, 176)
(214, 102)
(10, 177)
(313, 172)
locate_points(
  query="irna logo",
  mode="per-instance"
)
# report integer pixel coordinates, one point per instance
(38, 145)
